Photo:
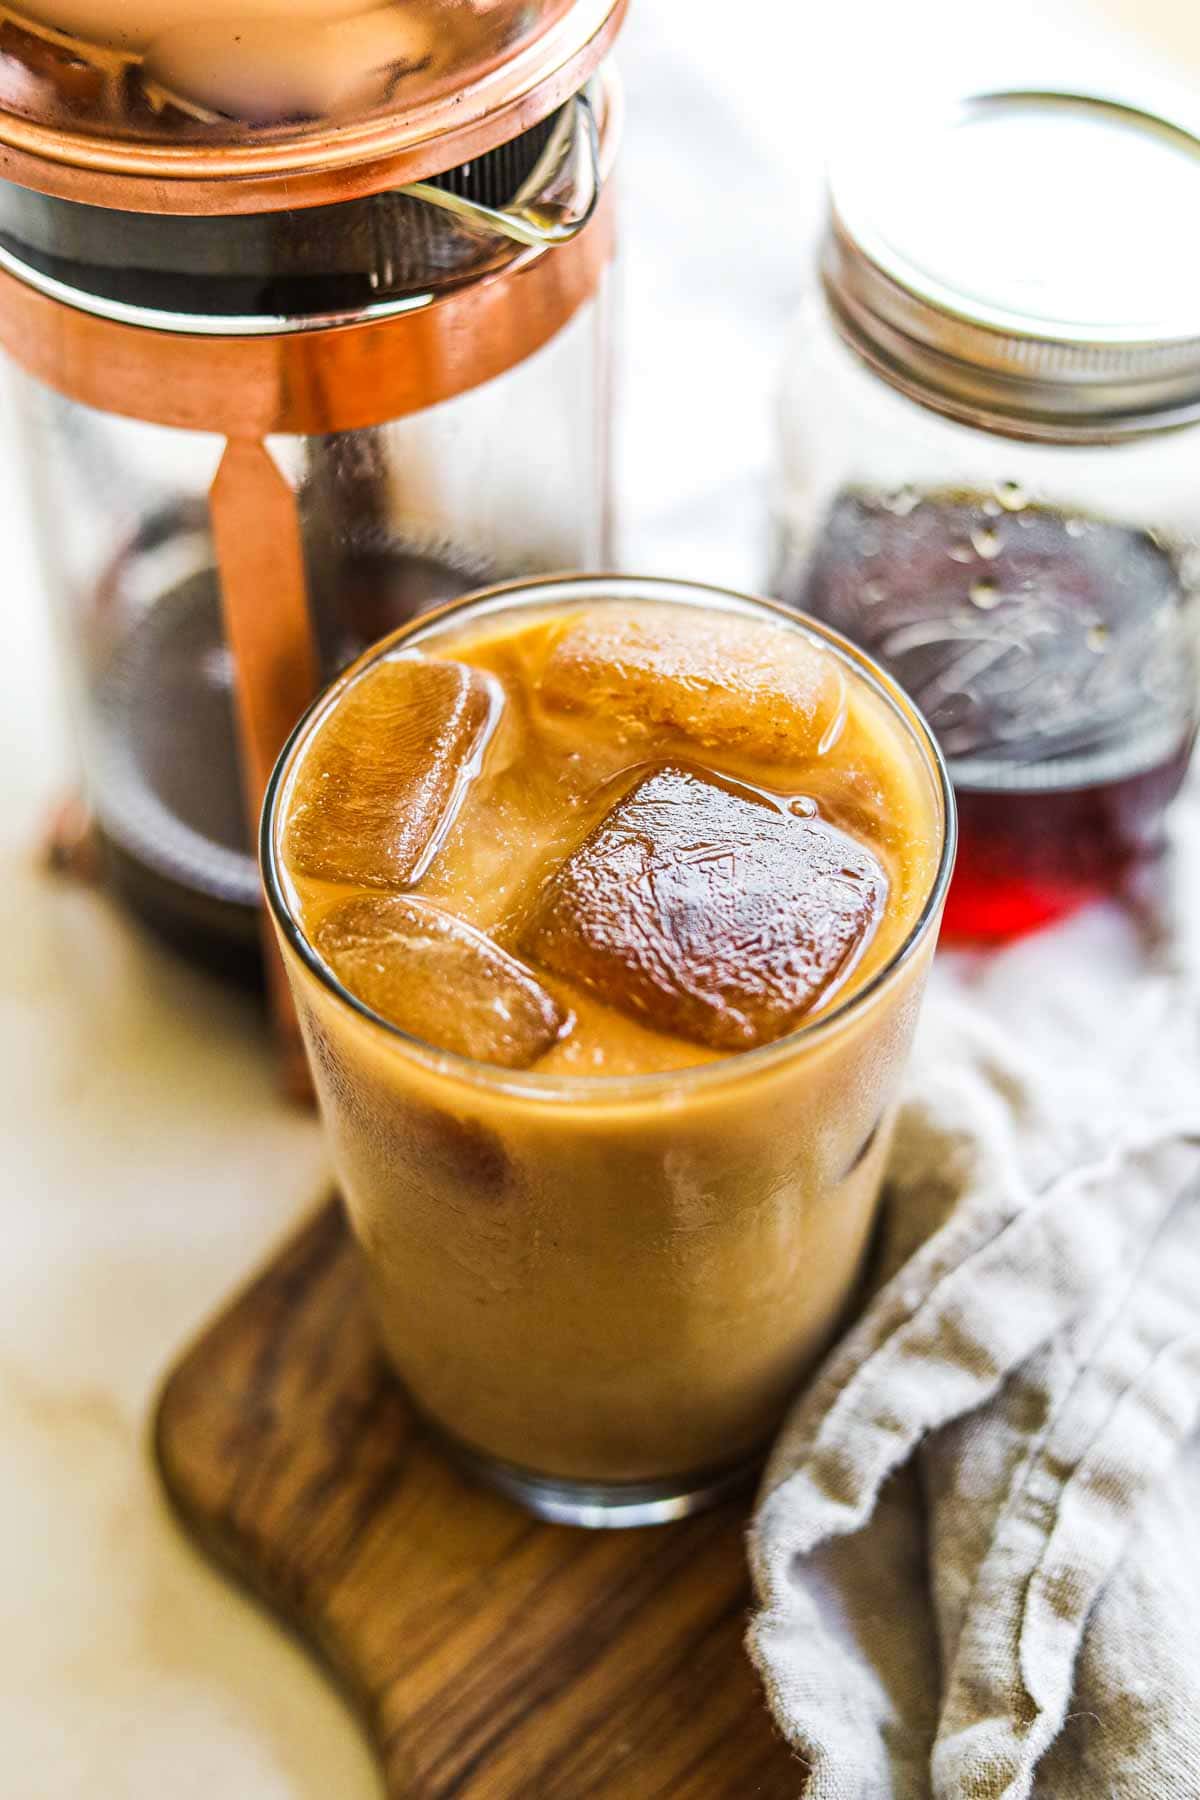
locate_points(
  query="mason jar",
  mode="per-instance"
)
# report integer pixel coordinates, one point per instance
(989, 473)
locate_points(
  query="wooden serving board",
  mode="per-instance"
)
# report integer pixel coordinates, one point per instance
(492, 1657)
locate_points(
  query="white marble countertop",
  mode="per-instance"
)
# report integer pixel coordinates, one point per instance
(147, 1162)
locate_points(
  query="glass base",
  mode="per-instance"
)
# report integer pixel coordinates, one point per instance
(602, 1506)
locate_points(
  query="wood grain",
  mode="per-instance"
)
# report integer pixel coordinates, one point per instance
(491, 1656)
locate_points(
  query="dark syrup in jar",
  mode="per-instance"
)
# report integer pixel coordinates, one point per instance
(1054, 657)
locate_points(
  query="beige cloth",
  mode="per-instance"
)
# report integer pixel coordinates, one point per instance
(977, 1554)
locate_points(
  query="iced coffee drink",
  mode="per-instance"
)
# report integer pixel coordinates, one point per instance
(607, 907)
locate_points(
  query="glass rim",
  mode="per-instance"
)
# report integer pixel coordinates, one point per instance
(532, 1084)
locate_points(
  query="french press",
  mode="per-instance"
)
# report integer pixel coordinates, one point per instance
(308, 304)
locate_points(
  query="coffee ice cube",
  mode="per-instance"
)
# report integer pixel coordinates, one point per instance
(707, 912)
(385, 772)
(718, 681)
(439, 979)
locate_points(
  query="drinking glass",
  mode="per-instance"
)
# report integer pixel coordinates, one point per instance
(602, 1291)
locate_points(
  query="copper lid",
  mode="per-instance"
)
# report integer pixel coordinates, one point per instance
(198, 106)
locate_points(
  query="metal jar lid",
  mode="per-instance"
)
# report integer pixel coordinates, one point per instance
(1029, 264)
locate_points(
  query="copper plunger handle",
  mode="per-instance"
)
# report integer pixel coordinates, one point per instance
(268, 627)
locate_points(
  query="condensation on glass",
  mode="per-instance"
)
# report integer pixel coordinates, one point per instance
(989, 475)
(300, 395)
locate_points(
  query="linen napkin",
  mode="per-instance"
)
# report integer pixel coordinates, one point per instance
(977, 1549)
